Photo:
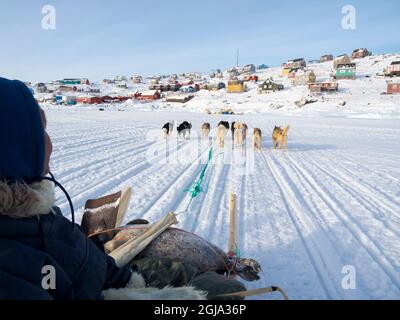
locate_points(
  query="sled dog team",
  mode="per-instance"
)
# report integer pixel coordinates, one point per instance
(238, 130)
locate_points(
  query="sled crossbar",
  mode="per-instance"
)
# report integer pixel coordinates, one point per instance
(255, 292)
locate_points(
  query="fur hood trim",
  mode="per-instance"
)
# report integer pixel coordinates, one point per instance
(168, 293)
(19, 200)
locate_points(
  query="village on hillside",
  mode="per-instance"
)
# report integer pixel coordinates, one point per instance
(238, 89)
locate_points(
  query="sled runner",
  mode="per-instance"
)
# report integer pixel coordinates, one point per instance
(255, 292)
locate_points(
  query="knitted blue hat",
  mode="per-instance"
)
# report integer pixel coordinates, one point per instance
(22, 142)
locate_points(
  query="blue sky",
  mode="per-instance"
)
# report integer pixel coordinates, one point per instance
(102, 38)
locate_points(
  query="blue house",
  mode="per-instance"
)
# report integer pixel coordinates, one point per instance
(262, 66)
(187, 89)
(250, 68)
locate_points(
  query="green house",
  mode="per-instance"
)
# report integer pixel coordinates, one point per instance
(346, 71)
(73, 81)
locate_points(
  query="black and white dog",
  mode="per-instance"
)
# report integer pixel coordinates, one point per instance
(233, 129)
(184, 129)
(222, 129)
(224, 123)
(168, 128)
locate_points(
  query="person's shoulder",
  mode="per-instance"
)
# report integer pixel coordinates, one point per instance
(59, 225)
(57, 216)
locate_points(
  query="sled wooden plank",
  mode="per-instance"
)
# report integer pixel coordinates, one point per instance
(126, 195)
(126, 252)
(255, 292)
(232, 223)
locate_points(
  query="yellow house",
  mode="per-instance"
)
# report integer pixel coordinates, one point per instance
(236, 86)
(285, 71)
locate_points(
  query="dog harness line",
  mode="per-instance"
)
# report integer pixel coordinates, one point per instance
(197, 188)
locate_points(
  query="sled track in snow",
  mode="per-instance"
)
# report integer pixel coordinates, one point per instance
(94, 138)
(382, 173)
(219, 232)
(171, 195)
(111, 180)
(218, 193)
(273, 237)
(239, 186)
(249, 210)
(105, 160)
(77, 151)
(370, 196)
(303, 223)
(369, 202)
(345, 217)
(326, 242)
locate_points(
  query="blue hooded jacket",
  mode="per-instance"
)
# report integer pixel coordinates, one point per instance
(21, 133)
(28, 244)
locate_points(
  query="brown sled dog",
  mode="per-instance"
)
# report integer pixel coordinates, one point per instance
(257, 139)
(205, 131)
(279, 137)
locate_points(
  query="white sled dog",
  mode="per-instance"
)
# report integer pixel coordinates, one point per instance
(221, 133)
(237, 134)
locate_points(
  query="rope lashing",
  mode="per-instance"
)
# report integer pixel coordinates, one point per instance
(233, 256)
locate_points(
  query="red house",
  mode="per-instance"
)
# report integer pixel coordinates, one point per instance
(122, 98)
(150, 95)
(360, 53)
(188, 83)
(107, 98)
(251, 77)
(323, 86)
(135, 94)
(393, 88)
(89, 100)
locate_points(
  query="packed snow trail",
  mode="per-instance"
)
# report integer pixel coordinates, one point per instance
(332, 200)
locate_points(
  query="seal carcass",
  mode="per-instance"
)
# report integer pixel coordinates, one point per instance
(178, 244)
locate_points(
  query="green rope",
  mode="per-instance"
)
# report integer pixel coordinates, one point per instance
(197, 188)
(237, 251)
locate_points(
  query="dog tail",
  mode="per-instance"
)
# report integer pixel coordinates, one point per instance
(285, 131)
